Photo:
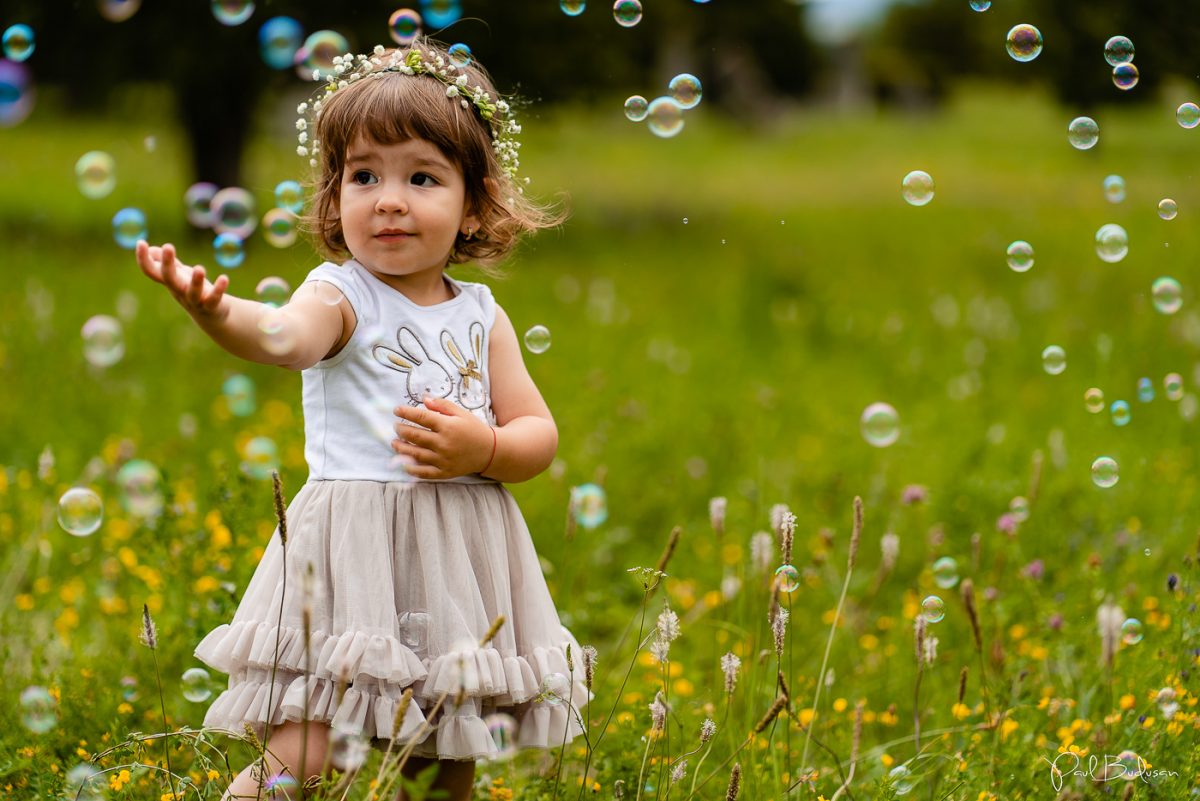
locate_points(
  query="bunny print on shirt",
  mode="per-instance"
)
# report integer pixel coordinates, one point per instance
(427, 376)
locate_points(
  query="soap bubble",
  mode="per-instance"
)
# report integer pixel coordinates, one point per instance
(1105, 472)
(239, 395)
(664, 117)
(945, 572)
(318, 51)
(685, 90)
(1125, 76)
(572, 8)
(1054, 359)
(118, 10)
(787, 578)
(273, 291)
(227, 251)
(1024, 42)
(980, 5)
(1119, 411)
(556, 688)
(279, 228)
(129, 225)
(1173, 386)
(917, 188)
(1188, 115)
(589, 504)
(537, 339)
(39, 710)
(233, 212)
(280, 785)
(460, 54)
(348, 751)
(260, 457)
(79, 784)
(1114, 188)
(1018, 507)
(627, 13)
(103, 340)
(96, 174)
(16, 93)
(197, 686)
(901, 780)
(18, 42)
(1083, 133)
(635, 108)
(404, 26)
(1020, 256)
(1131, 631)
(1167, 208)
(880, 425)
(289, 196)
(1167, 294)
(232, 12)
(440, 13)
(197, 204)
(1093, 400)
(503, 729)
(80, 511)
(1145, 390)
(1112, 243)
(933, 609)
(278, 40)
(141, 488)
(1118, 50)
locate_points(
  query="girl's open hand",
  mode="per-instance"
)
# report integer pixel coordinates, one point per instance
(452, 443)
(201, 298)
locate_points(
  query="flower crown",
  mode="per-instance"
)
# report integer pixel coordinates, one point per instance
(350, 68)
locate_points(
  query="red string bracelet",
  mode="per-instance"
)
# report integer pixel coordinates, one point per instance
(493, 456)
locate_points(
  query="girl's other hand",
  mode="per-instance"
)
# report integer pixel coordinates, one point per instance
(452, 443)
(200, 297)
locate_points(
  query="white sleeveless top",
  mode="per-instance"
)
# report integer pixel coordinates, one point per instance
(399, 352)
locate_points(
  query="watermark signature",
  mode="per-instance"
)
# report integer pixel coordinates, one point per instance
(1104, 768)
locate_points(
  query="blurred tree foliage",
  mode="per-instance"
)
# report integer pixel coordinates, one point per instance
(745, 60)
(922, 47)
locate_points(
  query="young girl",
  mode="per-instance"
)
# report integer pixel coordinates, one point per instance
(417, 405)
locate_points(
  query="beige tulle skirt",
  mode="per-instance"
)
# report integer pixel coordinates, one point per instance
(406, 578)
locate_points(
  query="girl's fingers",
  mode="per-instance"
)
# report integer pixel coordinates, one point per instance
(167, 267)
(423, 456)
(195, 291)
(213, 299)
(147, 263)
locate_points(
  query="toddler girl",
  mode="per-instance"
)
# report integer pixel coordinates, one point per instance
(417, 406)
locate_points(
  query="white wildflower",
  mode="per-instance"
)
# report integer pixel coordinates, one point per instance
(730, 664)
(707, 730)
(889, 544)
(730, 586)
(762, 546)
(660, 649)
(303, 137)
(301, 124)
(777, 513)
(679, 771)
(451, 91)
(931, 644)
(779, 629)
(716, 514)
(658, 713)
(668, 625)
(302, 151)
(378, 50)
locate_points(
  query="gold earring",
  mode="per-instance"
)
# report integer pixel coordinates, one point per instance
(470, 232)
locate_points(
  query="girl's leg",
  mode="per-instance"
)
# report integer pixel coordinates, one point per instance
(284, 754)
(455, 777)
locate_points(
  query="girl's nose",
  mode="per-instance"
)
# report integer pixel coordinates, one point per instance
(391, 201)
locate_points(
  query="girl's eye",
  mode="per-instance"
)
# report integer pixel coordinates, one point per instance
(363, 178)
(424, 179)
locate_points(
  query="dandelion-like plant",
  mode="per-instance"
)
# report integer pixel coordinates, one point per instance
(149, 639)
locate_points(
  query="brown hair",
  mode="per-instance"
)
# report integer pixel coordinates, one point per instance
(392, 107)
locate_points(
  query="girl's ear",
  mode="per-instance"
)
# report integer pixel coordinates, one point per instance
(470, 220)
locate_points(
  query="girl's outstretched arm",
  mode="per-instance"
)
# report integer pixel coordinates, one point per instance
(311, 327)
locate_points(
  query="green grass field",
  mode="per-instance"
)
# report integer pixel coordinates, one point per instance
(723, 306)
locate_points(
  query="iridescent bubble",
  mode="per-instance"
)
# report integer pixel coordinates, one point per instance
(278, 336)
(129, 225)
(664, 117)
(440, 13)
(1118, 50)
(260, 457)
(1165, 698)
(787, 578)
(318, 51)
(404, 26)
(1018, 507)
(572, 8)
(84, 782)
(460, 54)
(289, 196)
(685, 90)
(1020, 256)
(1125, 76)
(280, 785)
(273, 291)
(917, 188)
(1167, 294)
(232, 12)
(197, 686)
(103, 340)
(1083, 133)
(1093, 400)
(239, 395)
(95, 174)
(278, 40)
(627, 13)
(1119, 411)
(16, 93)
(901, 779)
(880, 425)
(279, 228)
(141, 488)
(1173, 386)
(80, 511)
(118, 10)
(1145, 390)
(1024, 42)
(18, 42)
(589, 504)
(39, 710)
(326, 292)
(933, 609)
(1188, 115)
(636, 107)
(414, 629)
(945, 572)
(1114, 189)
(348, 751)
(980, 5)
(1105, 472)
(537, 339)
(228, 251)
(1131, 631)
(1054, 359)
(1167, 208)
(197, 204)
(556, 688)
(1112, 243)
(503, 729)
(233, 212)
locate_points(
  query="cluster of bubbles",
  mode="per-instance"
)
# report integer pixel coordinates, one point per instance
(231, 214)
(1118, 52)
(537, 339)
(589, 505)
(880, 425)
(664, 115)
(1105, 472)
(626, 13)
(80, 511)
(917, 188)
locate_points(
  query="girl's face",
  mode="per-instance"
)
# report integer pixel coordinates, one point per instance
(402, 206)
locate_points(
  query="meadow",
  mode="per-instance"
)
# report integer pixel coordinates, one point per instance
(723, 306)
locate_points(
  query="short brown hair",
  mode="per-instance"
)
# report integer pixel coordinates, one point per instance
(395, 107)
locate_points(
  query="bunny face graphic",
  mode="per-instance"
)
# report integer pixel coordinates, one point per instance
(425, 376)
(471, 394)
